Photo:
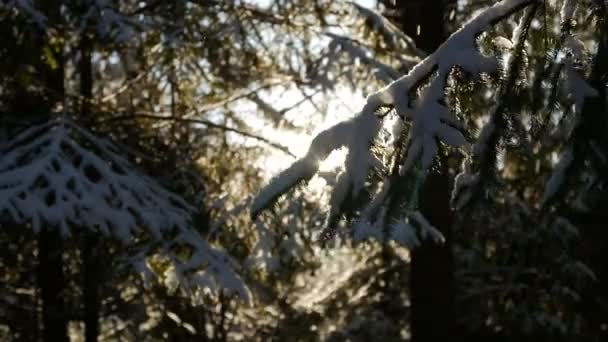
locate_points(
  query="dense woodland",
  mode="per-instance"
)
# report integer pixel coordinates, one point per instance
(154, 186)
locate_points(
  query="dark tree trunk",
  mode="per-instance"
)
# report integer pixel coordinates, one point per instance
(90, 256)
(28, 105)
(422, 20)
(431, 278)
(52, 284)
(50, 245)
(90, 287)
(594, 236)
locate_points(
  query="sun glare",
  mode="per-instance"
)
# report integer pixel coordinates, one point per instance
(333, 161)
(343, 105)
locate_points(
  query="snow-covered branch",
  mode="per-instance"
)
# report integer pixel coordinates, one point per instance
(431, 119)
(58, 175)
(348, 133)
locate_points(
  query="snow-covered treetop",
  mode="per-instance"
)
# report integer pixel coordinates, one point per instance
(431, 120)
(58, 175)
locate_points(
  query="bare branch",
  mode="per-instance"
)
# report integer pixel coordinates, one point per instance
(207, 123)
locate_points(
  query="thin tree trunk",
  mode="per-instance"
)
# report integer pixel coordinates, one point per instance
(91, 282)
(50, 245)
(90, 262)
(86, 75)
(52, 283)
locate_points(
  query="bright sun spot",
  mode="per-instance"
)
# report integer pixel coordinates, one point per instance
(343, 105)
(333, 161)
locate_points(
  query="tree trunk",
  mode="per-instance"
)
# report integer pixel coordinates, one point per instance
(50, 245)
(52, 284)
(422, 20)
(90, 257)
(594, 237)
(431, 278)
(90, 287)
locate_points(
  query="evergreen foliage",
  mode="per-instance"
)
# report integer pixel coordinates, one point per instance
(134, 135)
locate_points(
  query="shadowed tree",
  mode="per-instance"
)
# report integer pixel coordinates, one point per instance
(431, 278)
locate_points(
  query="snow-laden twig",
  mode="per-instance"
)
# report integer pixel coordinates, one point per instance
(357, 132)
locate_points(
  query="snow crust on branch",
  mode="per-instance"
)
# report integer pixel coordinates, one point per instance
(558, 175)
(58, 175)
(263, 255)
(207, 269)
(576, 88)
(404, 234)
(459, 49)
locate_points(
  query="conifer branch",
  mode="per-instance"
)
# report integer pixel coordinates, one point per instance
(483, 165)
(431, 119)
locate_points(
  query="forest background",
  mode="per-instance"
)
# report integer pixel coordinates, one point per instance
(303, 170)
